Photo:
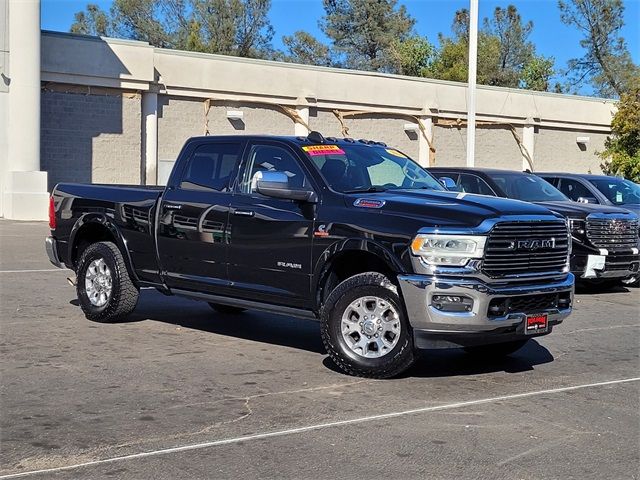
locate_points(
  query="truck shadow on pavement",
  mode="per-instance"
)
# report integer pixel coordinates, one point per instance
(305, 335)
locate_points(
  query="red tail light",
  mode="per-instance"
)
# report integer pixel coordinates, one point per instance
(52, 214)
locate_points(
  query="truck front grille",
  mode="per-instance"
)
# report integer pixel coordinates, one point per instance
(519, 248)
(612, 233)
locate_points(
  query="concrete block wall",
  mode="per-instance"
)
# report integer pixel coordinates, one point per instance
(495, 147)
(557, 150)
(178, 119)
(90, 137)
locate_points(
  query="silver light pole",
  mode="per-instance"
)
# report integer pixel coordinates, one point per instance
(471, 84)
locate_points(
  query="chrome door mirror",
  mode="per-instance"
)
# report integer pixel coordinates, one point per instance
(448, 183)
(276, 185)
(587, 200)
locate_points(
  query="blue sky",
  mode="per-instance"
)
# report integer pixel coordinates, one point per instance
(550, 36)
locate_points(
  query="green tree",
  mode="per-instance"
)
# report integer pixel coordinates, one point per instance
(506, 57)
(92, 21)
(414, 56)
(235, 27)
(304, 48)
(143, 20)
(364, 32)
(622, 149)
(606, 63)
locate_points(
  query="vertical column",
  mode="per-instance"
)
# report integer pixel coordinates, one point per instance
(25, 194)
(150, 137)
(424, 154)
(528, 141)
(299, 129)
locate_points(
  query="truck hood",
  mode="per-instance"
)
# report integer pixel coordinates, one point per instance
(445, 208)
(580, 210)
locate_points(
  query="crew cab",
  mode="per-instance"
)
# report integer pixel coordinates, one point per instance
(353, 233)
(605, 238)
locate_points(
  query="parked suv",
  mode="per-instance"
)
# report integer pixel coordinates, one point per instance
(353, 233)
(605, 238)
(597, 189)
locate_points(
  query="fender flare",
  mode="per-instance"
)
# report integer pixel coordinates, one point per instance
(336, 250)
(104, 221)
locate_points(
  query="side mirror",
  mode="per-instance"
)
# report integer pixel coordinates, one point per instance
(448, 183)
(276, 185)
(587, 200)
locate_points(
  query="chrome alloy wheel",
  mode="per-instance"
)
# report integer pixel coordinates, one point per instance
(98, 282)
(371, 327)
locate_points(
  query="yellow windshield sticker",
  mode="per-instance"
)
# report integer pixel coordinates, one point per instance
(395, 152)
(314, 150)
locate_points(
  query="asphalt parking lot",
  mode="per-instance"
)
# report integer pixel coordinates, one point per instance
(182, 392)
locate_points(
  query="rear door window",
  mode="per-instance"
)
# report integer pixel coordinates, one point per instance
(211, 167)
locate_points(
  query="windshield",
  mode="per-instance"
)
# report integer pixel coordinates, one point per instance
(529, 188)
(369, 168)
(618, 191)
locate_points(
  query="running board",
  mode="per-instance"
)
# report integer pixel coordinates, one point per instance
(248, 304)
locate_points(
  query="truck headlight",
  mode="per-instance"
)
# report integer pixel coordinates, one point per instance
(454, 250)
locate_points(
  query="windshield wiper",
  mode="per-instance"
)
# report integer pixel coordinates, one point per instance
(372, 189)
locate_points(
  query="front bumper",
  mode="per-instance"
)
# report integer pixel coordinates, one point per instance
(51, 246)
(433, 327)
(606, 264)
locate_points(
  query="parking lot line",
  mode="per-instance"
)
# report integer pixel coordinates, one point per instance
(320, 426)
(36, 271)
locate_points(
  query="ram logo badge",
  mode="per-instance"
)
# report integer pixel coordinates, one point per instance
(536, 244)
(296, 266)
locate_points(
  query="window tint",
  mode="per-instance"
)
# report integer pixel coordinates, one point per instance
(526, 187)
(555, 181)
(474, 184)
(211, 166)
(269, 158)
(574, 189)
(618, 191)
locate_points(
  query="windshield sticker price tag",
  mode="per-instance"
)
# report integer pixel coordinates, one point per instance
(315, 150)
(395, 153)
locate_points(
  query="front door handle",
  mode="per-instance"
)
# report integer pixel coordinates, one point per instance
(243, 213)
(172, 206)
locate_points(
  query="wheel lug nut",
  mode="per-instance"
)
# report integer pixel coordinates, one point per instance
(376, 335)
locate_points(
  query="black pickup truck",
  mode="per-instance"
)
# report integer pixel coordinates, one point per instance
(353, 233)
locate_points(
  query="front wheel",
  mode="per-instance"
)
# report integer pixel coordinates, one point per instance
(496, 350)
(105, 290)
(364, 328)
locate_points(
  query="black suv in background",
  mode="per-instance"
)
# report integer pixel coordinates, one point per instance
(605, 238)
(598, 189)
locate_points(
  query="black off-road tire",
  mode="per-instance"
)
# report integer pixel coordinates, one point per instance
(124, 294)
(399, 359)
(496, 350)
(226, 309)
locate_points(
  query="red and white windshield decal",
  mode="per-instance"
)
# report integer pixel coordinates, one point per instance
(315, 150)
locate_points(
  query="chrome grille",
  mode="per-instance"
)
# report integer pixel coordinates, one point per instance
(612, 233)
(507, 253)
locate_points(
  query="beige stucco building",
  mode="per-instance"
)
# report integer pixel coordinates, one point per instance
(85, 109)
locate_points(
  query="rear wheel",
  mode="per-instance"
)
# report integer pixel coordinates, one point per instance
(364, 328)
(496, 350)
(105, 290)
(220, 308)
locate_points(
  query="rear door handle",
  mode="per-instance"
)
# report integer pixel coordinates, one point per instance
(243, 213)
(172, 206)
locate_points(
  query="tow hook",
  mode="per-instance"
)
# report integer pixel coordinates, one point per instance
(72, 281)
